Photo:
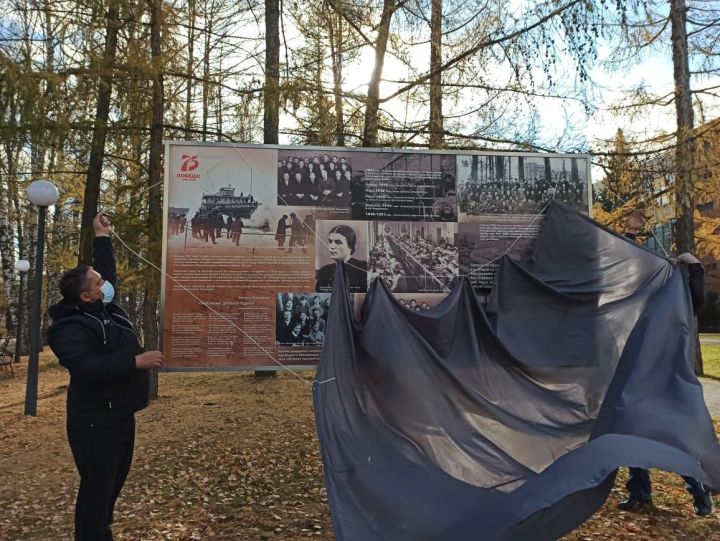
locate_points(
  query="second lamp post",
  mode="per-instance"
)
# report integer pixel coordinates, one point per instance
(42, 194)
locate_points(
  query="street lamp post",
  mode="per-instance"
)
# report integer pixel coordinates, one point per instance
(42, 194)
(22, 266)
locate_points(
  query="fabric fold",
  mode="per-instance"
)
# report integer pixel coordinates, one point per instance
(509, 421)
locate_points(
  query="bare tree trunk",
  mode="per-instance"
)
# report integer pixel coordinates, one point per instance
(684, 228)
(135, 295)
(271, 95)
(97, 148)
(7, 237)
(437, 138)
(29, 243)
(372, 102)
(7, 252)
(336, 54)
(685, 146)
(52, 275)
(52, 272)
(21, 230)
(49, 46)
(154, 226)
(219, 112)
(192, 15)
(206, 71)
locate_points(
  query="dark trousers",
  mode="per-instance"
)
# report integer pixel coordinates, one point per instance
(640, 487)
(103, 455)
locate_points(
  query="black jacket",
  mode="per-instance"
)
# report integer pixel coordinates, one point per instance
(98, 344)
(355, 276)
(696, 280)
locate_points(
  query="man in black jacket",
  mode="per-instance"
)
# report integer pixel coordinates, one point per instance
(639, 485)
(93, 338)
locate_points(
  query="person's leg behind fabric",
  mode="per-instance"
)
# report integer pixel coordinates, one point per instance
(702, 496)
(126, 431)
(639, 488)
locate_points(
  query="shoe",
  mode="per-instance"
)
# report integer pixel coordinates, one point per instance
(634, 504)
(703, 505)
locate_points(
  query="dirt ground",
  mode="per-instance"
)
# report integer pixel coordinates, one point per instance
(231, 457)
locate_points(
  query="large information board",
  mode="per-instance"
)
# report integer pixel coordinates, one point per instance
(251, 235)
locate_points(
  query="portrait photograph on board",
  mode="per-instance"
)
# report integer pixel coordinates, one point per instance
(341, 241)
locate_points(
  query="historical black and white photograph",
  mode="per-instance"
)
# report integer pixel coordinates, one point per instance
(344, 241)
(518, 184)
(221, 215)
(177, 221)
(221, 198)
(415, 302)
(403, 186)
(314, 179)
(285, 229)
(483, 242)
(413, 256)
(301, 318)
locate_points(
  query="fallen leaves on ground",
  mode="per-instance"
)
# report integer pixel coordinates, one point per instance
(227, 456)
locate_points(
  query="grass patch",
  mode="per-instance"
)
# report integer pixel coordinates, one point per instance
(711, 360)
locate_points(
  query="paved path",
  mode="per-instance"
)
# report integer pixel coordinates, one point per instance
(710, 341)
(711, 389)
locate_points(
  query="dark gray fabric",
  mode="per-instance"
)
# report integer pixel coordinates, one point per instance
(460, 423)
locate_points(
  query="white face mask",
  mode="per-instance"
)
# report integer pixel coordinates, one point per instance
(108, 292)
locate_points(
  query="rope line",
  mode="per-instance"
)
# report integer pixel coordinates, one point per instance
(317, 238)
(203, 303)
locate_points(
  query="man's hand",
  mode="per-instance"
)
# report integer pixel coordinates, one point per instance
(150, 359)
(101, 225)
(635, 222)
(688, 258)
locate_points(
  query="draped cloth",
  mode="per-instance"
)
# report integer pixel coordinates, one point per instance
(508, 422)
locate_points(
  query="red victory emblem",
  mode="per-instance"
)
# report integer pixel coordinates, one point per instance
(190, 163)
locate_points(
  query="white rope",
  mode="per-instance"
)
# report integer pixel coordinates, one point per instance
(136, 194)
(203, 303)
(270, 186)
(317, 238)
(522, 233)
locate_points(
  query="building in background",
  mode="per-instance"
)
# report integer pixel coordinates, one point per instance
(707, 215)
